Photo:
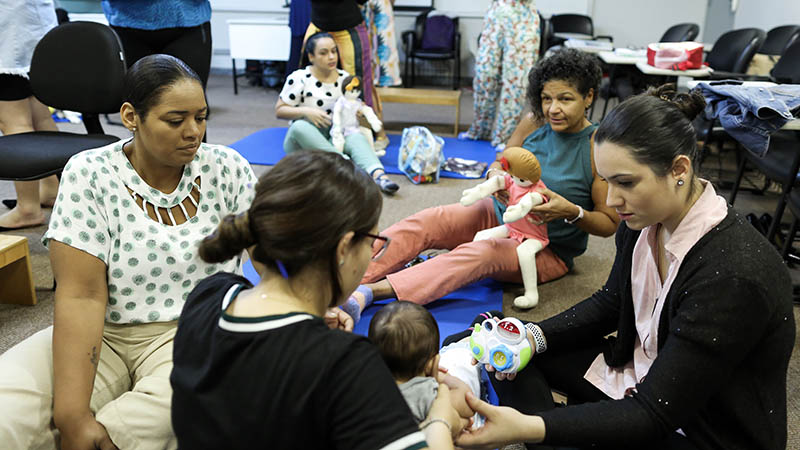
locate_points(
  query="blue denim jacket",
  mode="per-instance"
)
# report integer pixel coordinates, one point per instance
(23, 23)
(751, 114)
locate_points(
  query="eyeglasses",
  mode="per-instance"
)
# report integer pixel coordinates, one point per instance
(377, 255)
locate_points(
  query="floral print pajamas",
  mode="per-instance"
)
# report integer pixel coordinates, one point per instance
(508, 49)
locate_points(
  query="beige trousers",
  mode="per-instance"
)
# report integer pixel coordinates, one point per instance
(131, 397)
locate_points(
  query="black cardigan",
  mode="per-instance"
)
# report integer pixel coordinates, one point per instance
(725, 336)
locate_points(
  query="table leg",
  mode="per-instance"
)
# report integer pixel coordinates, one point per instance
(611, 76)
(458, 110)
(235, 87)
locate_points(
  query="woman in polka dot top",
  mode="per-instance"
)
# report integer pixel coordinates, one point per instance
(307, 100)
(123, 240)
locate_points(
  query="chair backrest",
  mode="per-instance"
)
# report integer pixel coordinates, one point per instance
(787, 69)
(572, 23)
(733, 50)
(439, 33)
(681, 32)
(779, 39)
(545, 35)
(79, 66)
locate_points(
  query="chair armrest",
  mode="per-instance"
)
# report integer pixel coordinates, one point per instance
(722, 75)
(457, 43)
(606, 37)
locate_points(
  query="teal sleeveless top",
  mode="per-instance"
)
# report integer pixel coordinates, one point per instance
(566, 160)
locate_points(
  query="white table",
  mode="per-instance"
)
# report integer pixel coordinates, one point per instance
(266, 39)
(647, 69)
(566, 36)
(589, 45)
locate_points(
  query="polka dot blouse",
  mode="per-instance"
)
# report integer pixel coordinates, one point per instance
(303, 89)
(152, 265)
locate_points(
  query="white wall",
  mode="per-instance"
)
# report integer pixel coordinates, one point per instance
(640, 22)
(631, 22)
(767, 14)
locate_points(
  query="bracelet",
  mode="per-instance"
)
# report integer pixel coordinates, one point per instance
(579, 217)
(431, 421)
(538, 337)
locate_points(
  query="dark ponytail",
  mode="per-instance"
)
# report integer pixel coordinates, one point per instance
(656, 126)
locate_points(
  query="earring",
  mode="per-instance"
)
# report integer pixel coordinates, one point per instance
(680, 182)
(133, 129)
(341, 262)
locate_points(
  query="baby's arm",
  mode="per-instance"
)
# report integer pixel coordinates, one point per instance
(373, 120)
(485, 189)
(523, 207)
(458, 395)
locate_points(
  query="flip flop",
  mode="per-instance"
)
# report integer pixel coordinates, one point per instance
(11, 204)
(4, 229)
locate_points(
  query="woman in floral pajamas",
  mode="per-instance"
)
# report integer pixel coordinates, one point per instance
(379, 17)
(508, 49)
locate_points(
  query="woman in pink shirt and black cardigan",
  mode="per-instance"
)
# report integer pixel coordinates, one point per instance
(699, 301)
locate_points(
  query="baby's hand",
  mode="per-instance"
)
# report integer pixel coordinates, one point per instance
(513, 213)
(470, 196)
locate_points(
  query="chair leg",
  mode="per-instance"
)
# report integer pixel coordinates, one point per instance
(738, 182)
(776, 221)
(787, 246)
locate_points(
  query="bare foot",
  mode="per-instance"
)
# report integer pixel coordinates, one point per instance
(15, 219)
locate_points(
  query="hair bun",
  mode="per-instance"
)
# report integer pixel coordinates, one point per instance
(690, 104)
(231, 237)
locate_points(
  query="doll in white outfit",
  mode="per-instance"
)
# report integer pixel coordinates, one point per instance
(522, 180)
(345, 113)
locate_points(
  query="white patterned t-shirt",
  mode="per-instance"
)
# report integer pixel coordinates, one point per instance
(151, 266)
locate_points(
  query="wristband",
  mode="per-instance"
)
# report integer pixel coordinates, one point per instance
(579, 217)
(431, 421)
(538, 337)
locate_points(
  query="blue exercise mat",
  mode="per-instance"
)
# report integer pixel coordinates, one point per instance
(265, 147)
(452, 312)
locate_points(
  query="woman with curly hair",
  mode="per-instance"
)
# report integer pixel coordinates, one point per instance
(561, 89)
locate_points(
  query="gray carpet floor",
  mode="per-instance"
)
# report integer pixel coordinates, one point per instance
(236, 116)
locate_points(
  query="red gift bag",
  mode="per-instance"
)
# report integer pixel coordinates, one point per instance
(675, 55)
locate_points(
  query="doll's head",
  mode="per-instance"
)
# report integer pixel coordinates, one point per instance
(522, 165)
(407, 337)
(351, 87)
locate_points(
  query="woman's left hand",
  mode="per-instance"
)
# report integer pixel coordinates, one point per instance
(557, 207)
(503, 425)
(336, 318)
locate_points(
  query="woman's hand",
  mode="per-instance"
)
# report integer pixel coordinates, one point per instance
(318, 117)
(336, 318)
(556, 207)
(442, 408)
(85, 433)
(503, 425)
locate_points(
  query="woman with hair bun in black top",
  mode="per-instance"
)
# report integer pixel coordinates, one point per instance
(259, 366)
(699, 304)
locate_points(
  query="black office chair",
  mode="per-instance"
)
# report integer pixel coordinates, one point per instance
(77, 66)
(782, 161)
(573, 23)
(545, 35)
(733, 51)
(779, 39)
(681, 32)
(412, 41)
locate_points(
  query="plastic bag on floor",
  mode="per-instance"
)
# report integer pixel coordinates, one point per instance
(421, 155)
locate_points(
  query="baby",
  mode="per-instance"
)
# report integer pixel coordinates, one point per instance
(407, 338)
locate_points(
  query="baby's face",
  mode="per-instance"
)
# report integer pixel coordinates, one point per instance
(521, 181)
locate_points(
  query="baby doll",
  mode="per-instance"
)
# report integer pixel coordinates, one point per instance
(521, 181)
(345, 113)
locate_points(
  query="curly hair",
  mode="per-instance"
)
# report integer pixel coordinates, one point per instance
(578, 68)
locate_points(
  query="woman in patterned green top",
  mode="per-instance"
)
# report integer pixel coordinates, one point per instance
(123, 242)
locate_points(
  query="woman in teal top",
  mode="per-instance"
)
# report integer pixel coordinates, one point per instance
(561, 89)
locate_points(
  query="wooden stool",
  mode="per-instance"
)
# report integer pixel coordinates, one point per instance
(423, 97)
(16, 279)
